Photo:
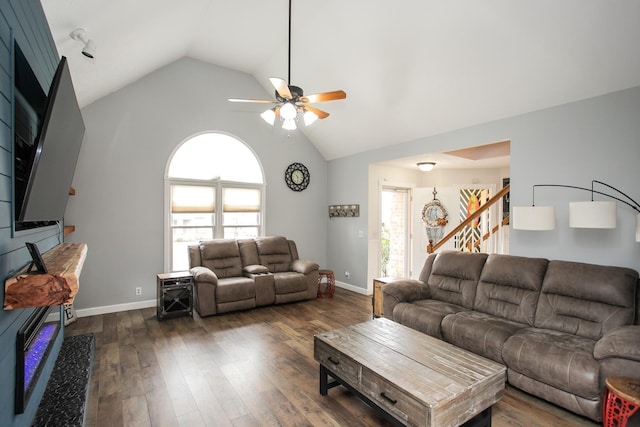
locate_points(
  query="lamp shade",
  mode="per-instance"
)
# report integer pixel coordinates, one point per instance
(534, 218)
(309, 117)
(269, 116)
(592, 214)
(288, 111)
(289, 124)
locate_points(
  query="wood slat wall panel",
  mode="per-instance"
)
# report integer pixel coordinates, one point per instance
(5, 168)
(5, 77)
(6, 109)
(5, 216)
(5, 136)
(24, 20)
(47, 44)
(6, 184)
(26, 32)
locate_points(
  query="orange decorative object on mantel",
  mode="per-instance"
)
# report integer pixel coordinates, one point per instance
(56, 287)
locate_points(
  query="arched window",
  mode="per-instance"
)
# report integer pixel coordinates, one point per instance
(215, 189)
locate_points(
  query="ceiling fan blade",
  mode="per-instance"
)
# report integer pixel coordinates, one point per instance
(281, 87)
(259, 101)
(325, 96)
(321, 114)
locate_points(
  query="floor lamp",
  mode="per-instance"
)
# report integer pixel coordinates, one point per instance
(592, 214)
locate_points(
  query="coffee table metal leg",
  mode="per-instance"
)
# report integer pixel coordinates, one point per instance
(483, 419)
(323, 381)
(325, 384)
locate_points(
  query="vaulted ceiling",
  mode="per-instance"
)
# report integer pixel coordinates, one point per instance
(411, 68)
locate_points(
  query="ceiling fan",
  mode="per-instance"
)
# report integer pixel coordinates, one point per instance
(291, 100)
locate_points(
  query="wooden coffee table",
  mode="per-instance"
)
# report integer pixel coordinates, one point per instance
(414, 379)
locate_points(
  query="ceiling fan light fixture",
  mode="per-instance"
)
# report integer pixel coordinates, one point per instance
(288, 111)
(269, 116)
(309, 117)
(290, 100)
(289, 124)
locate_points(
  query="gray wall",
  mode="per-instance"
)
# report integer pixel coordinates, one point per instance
(24, 21)
(118, 209)
(572, 144)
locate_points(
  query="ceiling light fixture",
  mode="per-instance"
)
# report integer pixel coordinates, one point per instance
(89, 49)
(425, 166)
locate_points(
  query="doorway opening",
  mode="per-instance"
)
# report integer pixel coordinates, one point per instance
(395, 232)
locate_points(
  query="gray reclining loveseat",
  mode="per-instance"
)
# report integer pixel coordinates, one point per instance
(232, 275)
(559, 327)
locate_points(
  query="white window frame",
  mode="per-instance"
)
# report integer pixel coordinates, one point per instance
(218, 185)
(218, 226)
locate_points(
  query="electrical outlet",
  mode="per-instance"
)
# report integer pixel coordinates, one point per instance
(138, 291)
(347, 274)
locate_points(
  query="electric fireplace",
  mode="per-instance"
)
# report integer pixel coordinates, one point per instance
(33, 344)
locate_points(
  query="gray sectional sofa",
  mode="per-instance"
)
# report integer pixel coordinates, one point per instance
(559, 327)
(232, 275)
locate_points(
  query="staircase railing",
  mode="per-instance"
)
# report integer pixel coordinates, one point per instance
(431, 248)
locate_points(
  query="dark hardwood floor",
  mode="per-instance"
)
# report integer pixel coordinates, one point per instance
(250, 368)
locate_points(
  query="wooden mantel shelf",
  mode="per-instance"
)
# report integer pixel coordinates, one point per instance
(58, 286)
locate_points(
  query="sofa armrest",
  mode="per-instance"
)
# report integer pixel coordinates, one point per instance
(255, 269)
(403, 290)
(303, 266)
(622, 343)
(204, 290)
(204, 275)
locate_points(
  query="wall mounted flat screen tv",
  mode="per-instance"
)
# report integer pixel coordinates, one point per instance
(44, 166)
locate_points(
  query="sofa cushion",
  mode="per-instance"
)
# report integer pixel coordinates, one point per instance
(586, 407)
(454, 277)
(424, 315)
(248, 252)
(586, 300)
(222, 256)
(274, 253)
(509, 287)
(235, 289)
(562, 360)
(193, 252)
(288, 282)
(480, 333)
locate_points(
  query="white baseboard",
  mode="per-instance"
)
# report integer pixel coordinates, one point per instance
(94, 311)
(352, 288)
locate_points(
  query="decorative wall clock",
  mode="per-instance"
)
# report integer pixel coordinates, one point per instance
(297, 176)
